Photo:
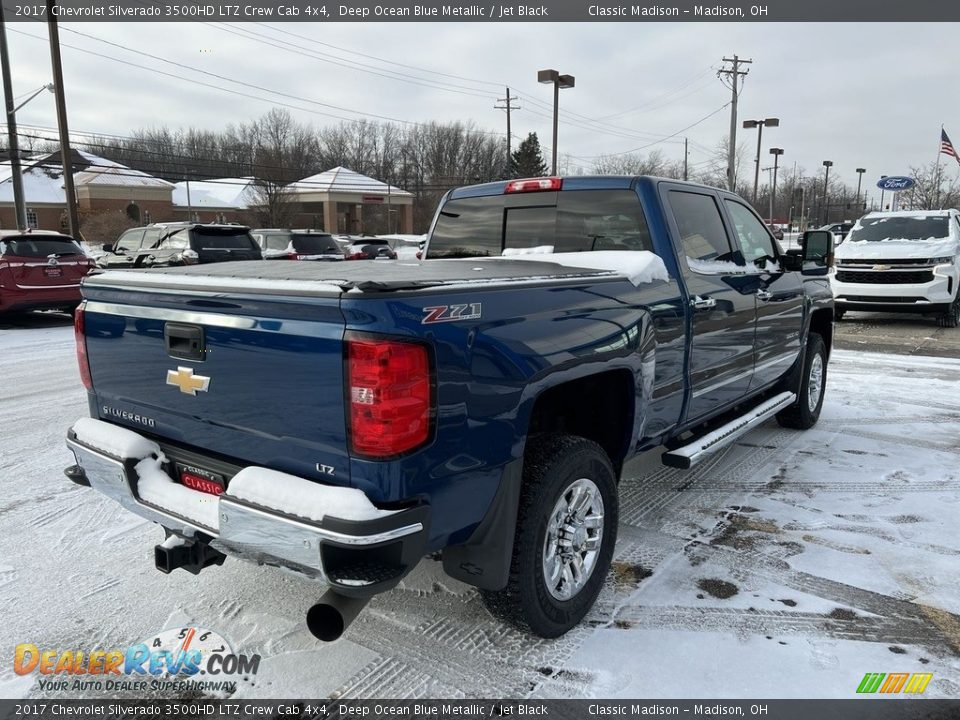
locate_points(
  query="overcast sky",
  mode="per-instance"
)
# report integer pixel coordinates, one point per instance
(862, 95)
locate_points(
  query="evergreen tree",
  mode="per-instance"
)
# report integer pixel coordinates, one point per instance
(527, 160)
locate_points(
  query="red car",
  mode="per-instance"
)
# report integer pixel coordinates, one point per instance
(40, 270)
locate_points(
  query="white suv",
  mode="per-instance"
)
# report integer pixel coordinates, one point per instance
(905, 261)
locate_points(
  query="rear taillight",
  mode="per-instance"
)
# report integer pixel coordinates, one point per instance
(79, 326)
(389, 396)
(533, 185)
(356, 256)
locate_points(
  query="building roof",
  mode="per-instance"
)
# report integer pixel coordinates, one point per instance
(43, 176)
(221, 193)
(344, 180)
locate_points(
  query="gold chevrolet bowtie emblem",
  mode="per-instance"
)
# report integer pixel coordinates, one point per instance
(188, 383)
(881, 268)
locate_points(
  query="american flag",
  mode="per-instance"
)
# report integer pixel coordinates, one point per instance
(946, 147)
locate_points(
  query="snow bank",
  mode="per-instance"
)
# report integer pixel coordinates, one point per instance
(156, 488)
(296, 496)
(114, 440)
(639, 266)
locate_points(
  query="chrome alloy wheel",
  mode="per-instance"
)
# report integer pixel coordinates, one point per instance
(815, 382)
(572, 541)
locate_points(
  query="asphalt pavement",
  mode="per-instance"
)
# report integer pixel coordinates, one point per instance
(900, 334)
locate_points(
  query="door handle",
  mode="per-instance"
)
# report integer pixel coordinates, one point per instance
(702, 303)
(764, 295)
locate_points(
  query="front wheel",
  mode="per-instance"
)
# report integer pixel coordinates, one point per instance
(805, 412)
(950, 317)
(565, 535)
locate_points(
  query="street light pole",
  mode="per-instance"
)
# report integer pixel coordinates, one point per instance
(826, 198)
(860, 172)
(73, 217)
(776, 152)
(559, 82)
(759, 124)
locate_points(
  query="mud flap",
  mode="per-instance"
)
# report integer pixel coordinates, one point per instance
(484, 560)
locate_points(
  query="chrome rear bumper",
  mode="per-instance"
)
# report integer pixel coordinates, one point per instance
(357, 556)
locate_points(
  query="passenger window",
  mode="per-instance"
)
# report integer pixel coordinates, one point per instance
(150, 238)
(179, 240)
(755, 241)
(703, 237)
(130, 240)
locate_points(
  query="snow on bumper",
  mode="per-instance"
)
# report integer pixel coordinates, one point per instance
(333, 533)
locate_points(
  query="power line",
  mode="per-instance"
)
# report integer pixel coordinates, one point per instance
(659, 142)
(127, 63)
(301, 51)
(379, 59)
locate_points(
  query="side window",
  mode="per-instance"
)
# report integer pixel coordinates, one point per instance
(277, 242)
(755, 241)
(130, 240)
(703, 237)
(177, 241)
(150, 238)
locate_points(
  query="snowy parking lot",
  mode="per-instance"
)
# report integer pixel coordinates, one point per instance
(789, 565)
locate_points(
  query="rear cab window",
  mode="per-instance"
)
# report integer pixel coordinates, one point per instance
(39, 246)
(561, 222)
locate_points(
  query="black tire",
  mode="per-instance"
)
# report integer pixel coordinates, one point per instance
(950, 317)
(553, 464)
(800, 415)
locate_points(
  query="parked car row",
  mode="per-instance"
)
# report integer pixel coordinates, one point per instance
(165, 244)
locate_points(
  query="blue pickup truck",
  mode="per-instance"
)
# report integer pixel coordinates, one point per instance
(345, 421)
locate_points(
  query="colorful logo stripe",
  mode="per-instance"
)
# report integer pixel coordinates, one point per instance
(891, 683)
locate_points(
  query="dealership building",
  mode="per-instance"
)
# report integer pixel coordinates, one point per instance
(338, 200)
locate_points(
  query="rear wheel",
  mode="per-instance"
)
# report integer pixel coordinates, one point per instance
(810, 387)
(950, 317)
(565, 535)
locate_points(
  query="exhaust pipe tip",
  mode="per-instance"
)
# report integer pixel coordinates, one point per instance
(330, 618)
(325, 622)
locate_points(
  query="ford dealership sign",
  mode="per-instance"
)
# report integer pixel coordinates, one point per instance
(896, 182)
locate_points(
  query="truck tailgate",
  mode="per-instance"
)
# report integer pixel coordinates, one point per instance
(264, 384)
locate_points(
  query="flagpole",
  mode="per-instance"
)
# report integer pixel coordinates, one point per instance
(937, 173)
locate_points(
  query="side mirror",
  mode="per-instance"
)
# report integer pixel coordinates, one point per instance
(817, 251)
(108, 248)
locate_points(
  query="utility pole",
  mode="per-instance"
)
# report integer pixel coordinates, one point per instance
(508, 106)
(686, 154)
(16, 175)
(73, 217)
(734, 73)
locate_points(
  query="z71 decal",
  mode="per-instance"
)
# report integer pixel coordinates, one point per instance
(450, 313)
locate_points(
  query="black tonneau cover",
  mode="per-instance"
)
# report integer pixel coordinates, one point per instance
(361, 275)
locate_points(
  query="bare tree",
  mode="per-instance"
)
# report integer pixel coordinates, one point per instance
(937, 187)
